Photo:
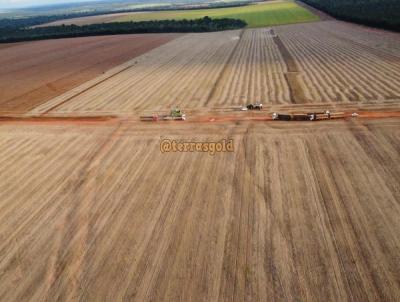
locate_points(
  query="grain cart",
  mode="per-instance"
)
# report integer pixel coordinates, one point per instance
(174, 115)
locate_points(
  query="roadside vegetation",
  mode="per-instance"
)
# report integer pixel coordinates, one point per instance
(376, 13)
(205, 24)
(255, 15)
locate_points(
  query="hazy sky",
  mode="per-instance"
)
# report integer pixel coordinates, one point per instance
(22, 3)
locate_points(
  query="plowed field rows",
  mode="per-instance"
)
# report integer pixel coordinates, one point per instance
(98, 212)
(182, 72)
(336, 68)
(254, 72)
(375, 38)
(92, 210)
(308, 63)
(32, 73)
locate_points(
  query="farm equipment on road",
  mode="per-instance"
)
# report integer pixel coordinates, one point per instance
(177, 114)
(313, 116)
(255, 106)
(174, 115)
(149, 118)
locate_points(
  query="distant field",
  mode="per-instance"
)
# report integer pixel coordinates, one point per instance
(35, 72)
(290, 64)
(86, 20)
(257, 15)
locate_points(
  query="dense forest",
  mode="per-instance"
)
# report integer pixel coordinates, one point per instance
(205, 24)
(377, 13)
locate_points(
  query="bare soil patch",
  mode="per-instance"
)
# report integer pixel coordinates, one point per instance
(34, 72)
(296, 88)
(288, 58)
(293, 74)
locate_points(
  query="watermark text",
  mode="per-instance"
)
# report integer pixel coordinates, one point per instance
(171, 145)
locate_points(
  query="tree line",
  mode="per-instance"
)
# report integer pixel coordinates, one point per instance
(205, 24)
(376, 13)
(43, 19)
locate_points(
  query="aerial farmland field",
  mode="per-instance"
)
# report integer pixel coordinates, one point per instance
(98, 212)
(93, 208)
(255, 15)
(291, 64)
(32, 73)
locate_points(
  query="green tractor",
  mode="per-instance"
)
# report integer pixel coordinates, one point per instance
(177, 114)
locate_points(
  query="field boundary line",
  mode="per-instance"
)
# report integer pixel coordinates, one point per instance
(221, 74)
(98, 82)
(323, 16)
(59, 100)
(292, 74)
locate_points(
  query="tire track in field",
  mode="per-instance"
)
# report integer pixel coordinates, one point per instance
(164, 224)
(110, 196)
(76, 219)
(223, 71)
(124, 210)
(44, 212)
(235, 281)
(235, 91)
(293, 75)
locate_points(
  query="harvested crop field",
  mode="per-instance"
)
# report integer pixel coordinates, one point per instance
(91, 208)
(32, 73)
(88, 20)
(339, 68)
(291, 64)
(255, 15)
(96, 211)
(261, 14)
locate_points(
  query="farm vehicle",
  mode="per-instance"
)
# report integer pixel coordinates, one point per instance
(251, 106)
(313, 116)
(174, 115)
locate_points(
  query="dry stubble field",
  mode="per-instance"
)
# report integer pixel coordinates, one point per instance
(92, 210)
(316, 63)
(32, 73)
